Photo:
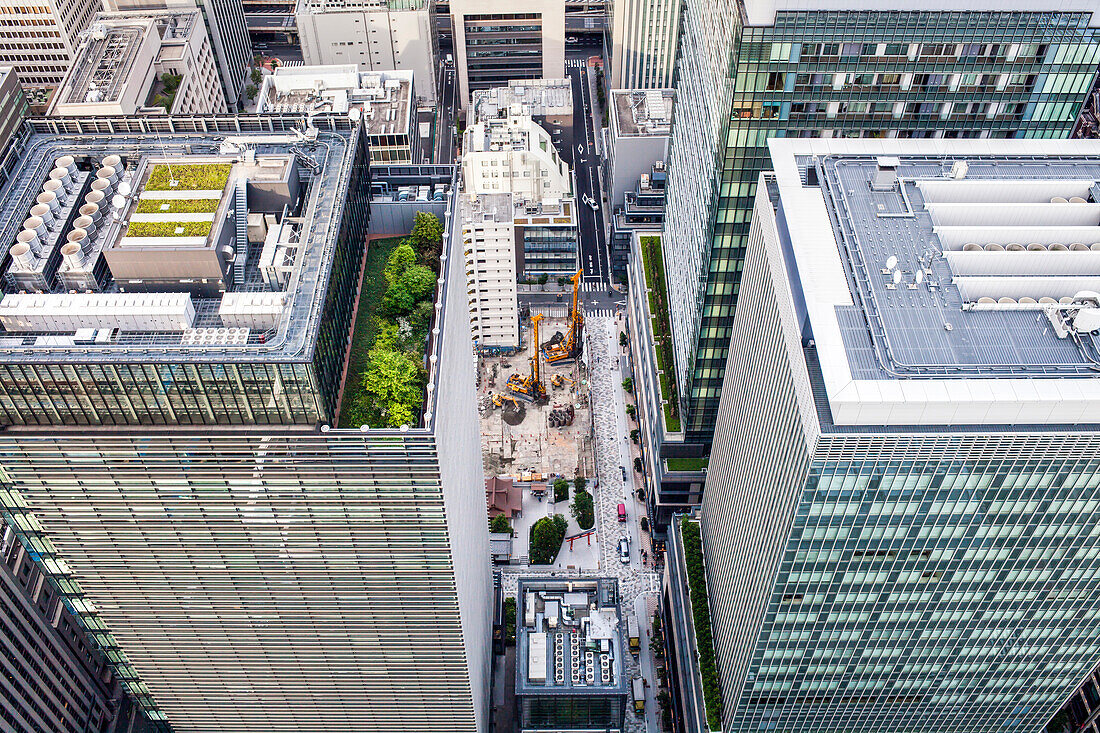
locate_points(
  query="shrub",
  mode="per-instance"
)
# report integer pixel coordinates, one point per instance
(392, 388)
(631, 411)
(638, 465)
(168, 229)
(509, 620)
(546, 538)
(426, 238)
(561, 490)
(402, 257)
(210, 177)
(700, 614)
(580, 483)
(582, 510)
(644, 524)
(543, 278)
(635, 435)
(251, 91)
(500, 524)
(177, 206)
(622, 339)
(257, 76)
(628, 384)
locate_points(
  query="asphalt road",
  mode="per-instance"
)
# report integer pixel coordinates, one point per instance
(445, 118)
(593, 247)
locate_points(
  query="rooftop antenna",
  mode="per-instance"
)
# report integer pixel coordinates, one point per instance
(920, 276)
(897, 276)
(891, 262)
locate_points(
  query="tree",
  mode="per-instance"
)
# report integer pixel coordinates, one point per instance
(645, 524)
(635, 434)
(426, 234)
(622, 339)
(251, 91)
(628, 384)
(641, 493)
(582, 510)
(510, 621)
(631, 411)
(419, 280)
(638, 465)
(257, 76)
(402, 257)
(580, 483)
(421, 317)
(563, 281)
(397, 300)
(392, 387)
(546, 538)
(561, 490)
(499, 524)
(543, 278)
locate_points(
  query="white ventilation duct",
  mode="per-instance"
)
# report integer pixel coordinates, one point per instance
(36, 225)
(971, 247)
(54, 187)
(79, 237)
(74, 258)
(101, 184)
(21, 256)
(92, 211)
(1014, 247)
(67, 162)
(1059, 200)
(994, 247)
(85, 223)
(1078, 247)
(62, 175)
(113, 161)
(49, 198)
(108, 174)
(1056, 247)
(28, 238)
(95, 197)
(43, 212)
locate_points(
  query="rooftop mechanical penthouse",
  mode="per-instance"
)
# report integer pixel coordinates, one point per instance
(155, 277)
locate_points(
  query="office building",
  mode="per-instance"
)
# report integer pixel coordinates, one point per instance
(1081, 712)
(496, 42)
(39, 41)
(489, 246)
(227, 34)
(900, 527)
(377, 35)
(57, 678)
(831, 69)
(13, 105)
(167, 446)
(140, 62)
(570, 669)
(644, 34)
(512, 154)
(384, 100)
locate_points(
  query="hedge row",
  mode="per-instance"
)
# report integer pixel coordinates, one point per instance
(177, 206)
(212, 177)
(168, 229)
(700, 613)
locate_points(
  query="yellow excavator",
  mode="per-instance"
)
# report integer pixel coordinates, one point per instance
(500, 399)
(530, 388)
(559, 380)
(565, 349)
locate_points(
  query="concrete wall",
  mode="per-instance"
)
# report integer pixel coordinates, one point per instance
(633, 156)
(396, 217)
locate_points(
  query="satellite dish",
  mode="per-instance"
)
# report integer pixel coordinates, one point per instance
(125, 189)
(920, 276)
(891, 262)
(897, 276)
(118, 201)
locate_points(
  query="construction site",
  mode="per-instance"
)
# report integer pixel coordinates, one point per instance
(535, 419)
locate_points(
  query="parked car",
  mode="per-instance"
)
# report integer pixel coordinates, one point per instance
(624, 550)
(623, 469)
(622, 512)
(571, 39)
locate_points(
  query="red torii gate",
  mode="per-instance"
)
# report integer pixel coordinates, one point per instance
(587, 534)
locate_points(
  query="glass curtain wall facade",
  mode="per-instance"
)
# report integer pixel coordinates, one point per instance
(833, 74)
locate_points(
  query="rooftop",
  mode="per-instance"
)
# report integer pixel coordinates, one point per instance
(569, 638)
(953, 281)
(170, 204)
(642, 113)
(762, 12)
(110, 49)
(540, 97)
(384, 99)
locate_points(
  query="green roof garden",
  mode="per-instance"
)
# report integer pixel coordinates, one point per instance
(168, 229)
(177, 206)
(657, 294)
(686, 464)
(208, 177)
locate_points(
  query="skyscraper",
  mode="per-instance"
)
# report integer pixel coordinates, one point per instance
(39, 41)
(644, 34)
(760, 69)
(901, 524)
(168, 450)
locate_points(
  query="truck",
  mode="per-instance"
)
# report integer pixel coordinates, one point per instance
(638, 688)
(632, 635)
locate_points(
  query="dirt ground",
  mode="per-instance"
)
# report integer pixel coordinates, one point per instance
(515, 442)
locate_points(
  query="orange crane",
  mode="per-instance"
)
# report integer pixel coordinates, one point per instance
(530, 388)
(568, 348)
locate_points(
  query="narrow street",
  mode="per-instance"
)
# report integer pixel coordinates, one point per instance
(592, 238)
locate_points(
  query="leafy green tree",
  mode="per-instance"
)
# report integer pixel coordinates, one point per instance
(546, 538)
(251, 91)
(622, 339)
(635, 434)
(543, 278)
(580, 483)
(392, 387)
(510, 621)
(638, 465)
(426, 238)
(401, 259)
(645, 524)
(582, 510)
(628, 384)
(500, 524)
(397, 300)
(631, 411)
(257, 76)
(419, 281)
(561, 490)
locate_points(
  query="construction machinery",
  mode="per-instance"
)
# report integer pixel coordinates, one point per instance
(564, 349)
(559, 380)
(530, 388)
(500, 399)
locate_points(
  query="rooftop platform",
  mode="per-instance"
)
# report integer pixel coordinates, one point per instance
(383, 98)
(642, 113)
(946, 281)
(268, 308)
(539, 97)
